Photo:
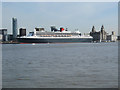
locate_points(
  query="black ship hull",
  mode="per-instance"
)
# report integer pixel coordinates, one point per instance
(58, 40)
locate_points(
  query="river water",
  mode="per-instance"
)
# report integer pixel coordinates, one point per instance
(75, 65)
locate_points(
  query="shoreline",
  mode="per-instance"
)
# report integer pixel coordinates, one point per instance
(10, 42)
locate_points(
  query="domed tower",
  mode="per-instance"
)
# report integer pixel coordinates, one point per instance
(102, 29)
(103, 33)
(93, 29)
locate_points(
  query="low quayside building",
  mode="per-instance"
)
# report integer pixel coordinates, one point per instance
(3, 34)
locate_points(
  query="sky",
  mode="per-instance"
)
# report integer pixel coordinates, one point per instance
(71, 15)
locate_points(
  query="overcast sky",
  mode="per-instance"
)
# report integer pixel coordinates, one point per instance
(71, 15)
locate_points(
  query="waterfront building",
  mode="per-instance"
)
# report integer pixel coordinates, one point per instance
(112, 37)
(10, 37)
(14, 27)
(118, 37)
(103, 34)
(3, 34)
(98, 36)
(22, 32)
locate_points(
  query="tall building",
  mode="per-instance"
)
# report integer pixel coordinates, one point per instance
(14, 27)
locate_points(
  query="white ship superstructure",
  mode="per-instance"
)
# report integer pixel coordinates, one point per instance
(55, 36)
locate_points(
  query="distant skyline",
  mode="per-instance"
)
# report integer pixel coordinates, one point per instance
(71, 15)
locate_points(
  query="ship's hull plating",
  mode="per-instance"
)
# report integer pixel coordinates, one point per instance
(58, 40)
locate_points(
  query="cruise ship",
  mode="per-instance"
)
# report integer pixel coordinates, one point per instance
(39, 35)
